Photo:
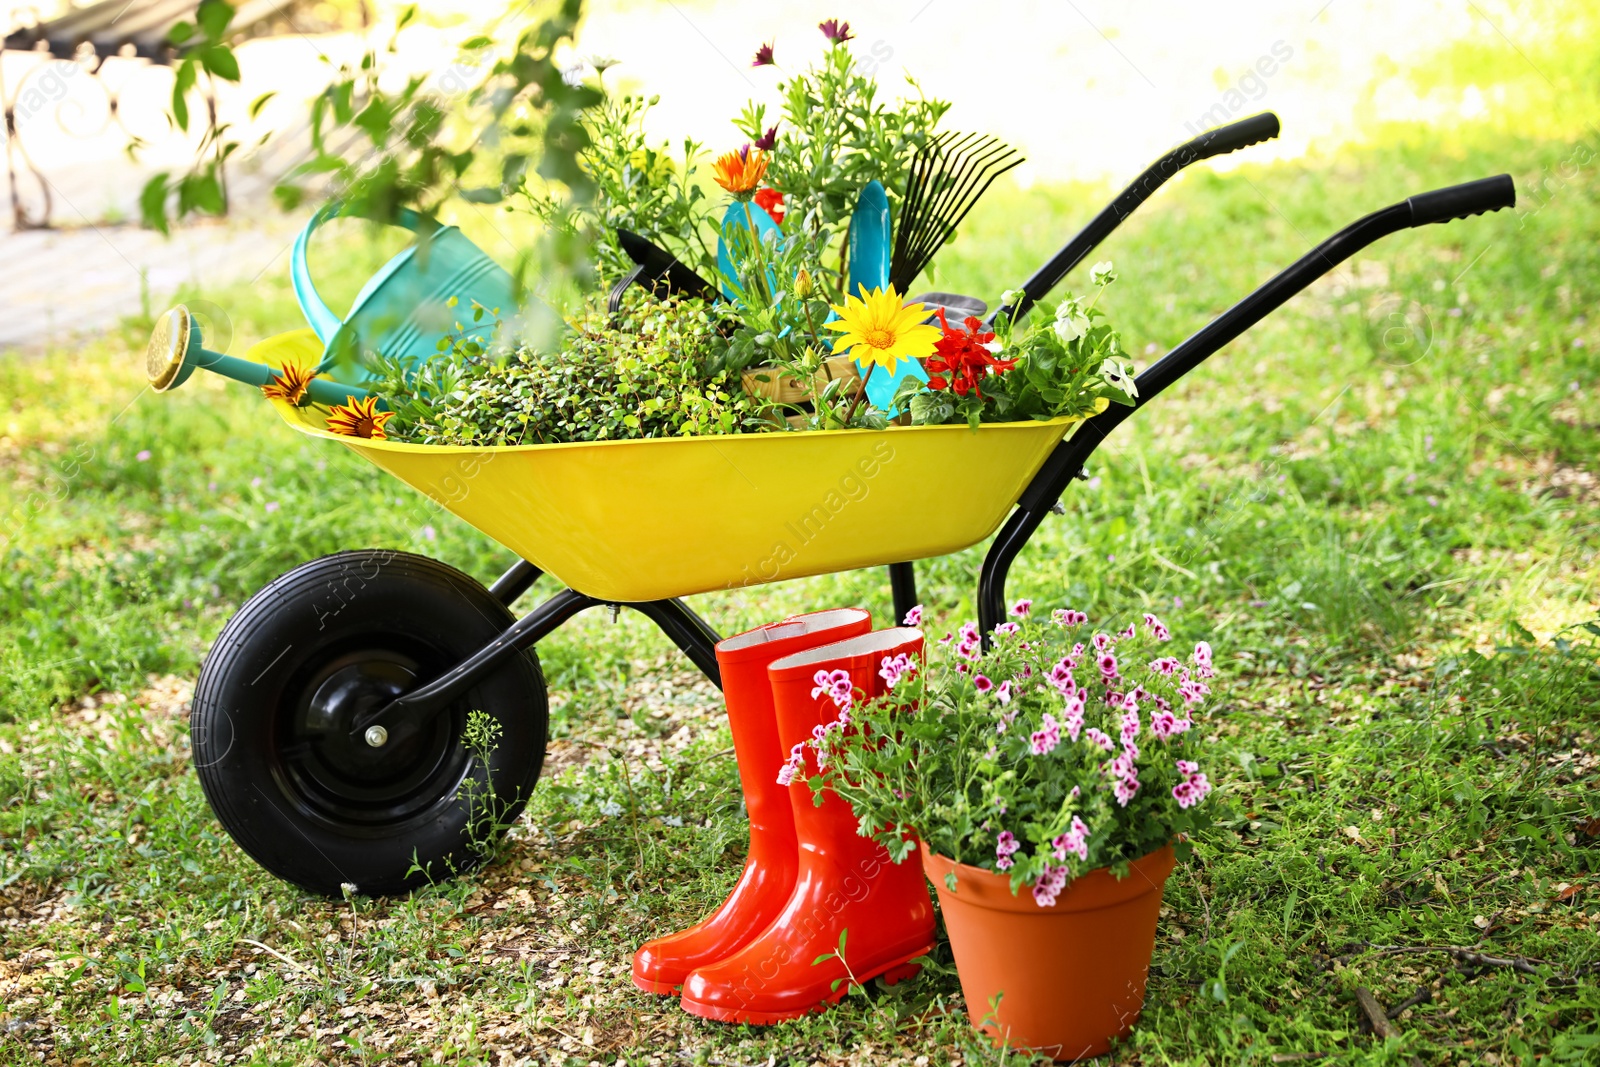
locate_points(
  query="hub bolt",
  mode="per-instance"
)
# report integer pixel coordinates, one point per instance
(377, 736)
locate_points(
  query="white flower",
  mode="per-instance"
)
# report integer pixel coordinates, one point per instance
(1103, 273)
(1120, 376)
(1071, 322)
(1010, 298)
(994, 348)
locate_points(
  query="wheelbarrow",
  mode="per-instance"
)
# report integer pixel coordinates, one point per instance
(330, 718)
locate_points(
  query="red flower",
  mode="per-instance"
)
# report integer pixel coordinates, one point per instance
(771, 201)
(961, 356)
(764, 56)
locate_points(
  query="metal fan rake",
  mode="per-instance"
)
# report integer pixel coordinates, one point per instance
(948, 175)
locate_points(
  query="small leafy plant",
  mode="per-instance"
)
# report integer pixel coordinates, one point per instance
(1058, 751)
(1071, 365)
(649, 374)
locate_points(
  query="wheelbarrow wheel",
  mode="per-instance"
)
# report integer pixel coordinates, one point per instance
(282, 685)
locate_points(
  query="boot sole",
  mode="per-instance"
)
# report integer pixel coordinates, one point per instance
(645, 985)
(892, 973)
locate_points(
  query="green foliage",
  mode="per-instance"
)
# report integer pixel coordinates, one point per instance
(637, 188)
(204, 50)
(836, 136)
(647, 376)
(1071, 366)
(486, 825)
(1023, 745)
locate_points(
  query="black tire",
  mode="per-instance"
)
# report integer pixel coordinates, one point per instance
(329, 639)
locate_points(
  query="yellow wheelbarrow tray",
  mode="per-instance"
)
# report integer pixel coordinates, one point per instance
(639, 520)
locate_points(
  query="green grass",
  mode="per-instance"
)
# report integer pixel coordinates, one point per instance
(1393, 548)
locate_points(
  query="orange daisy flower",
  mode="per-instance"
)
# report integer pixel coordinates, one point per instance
(291, 385)
(359, 418)
(740, 171)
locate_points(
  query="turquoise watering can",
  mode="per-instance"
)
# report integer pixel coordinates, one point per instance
(405, 309)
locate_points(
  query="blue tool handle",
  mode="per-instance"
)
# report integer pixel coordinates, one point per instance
(318, 315)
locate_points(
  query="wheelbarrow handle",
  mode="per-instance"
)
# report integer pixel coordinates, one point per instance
(1066, 462)
(1217, 142)
(1464, 200)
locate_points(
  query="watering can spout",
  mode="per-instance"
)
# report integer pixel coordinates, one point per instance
(176, 349)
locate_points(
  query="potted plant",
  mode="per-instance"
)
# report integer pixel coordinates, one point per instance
(1051, 784)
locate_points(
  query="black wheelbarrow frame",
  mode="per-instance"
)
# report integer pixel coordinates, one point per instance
(406, 714)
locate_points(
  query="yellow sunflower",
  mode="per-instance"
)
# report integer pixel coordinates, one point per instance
(740, 171)
(290, 384)
(359, 417)
(880, 329)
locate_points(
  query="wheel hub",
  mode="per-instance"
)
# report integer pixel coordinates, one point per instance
(349, 780)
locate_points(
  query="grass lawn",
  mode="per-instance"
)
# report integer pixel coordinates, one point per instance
(1388, 533)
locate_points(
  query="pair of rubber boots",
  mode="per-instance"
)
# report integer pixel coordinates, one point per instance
(809, 876)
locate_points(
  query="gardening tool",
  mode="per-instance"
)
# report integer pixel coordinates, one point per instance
(176, 349)
(948, 176)
(419, 298)
(869, 259)
(661, 965)
(751, 223)
(636, 523)
(846, 882)
(659, 271)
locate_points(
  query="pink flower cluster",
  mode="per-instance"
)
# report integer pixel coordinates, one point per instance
(837, 685)
(895, 668)
(1068, 617)
(1051, 881)
(793, 765)
(913, 617)
(1047, 737)
(1074, 841)
(1005, 847)
(970, 645)
(1194, 787)
(1021, 608)
(1157, 629)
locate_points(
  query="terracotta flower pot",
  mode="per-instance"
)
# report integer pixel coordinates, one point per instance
(1072, 975)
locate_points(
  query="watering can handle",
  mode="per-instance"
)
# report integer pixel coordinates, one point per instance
(318, 315)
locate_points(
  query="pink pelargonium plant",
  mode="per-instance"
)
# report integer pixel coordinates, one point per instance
(1084, 756)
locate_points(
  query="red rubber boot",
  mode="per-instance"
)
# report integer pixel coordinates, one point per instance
(660, 966)
(846, 882)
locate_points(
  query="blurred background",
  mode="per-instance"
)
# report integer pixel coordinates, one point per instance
(1090, 91)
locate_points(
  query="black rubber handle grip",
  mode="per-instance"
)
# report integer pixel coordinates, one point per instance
(1237, 135)
(1461, 201)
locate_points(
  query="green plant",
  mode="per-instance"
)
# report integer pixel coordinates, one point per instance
(1053, 753)
(1072, 365)
(486, 825)
(638, 188)
(836, 136)
(649, 374)
(204, 53)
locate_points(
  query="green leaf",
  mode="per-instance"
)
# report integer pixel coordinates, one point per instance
(153, 203)
(260, 102)
(180, 32)
(182, 82)
(220, 61)
(214, 17)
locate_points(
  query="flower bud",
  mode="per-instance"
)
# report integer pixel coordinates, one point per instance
(803, 286)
